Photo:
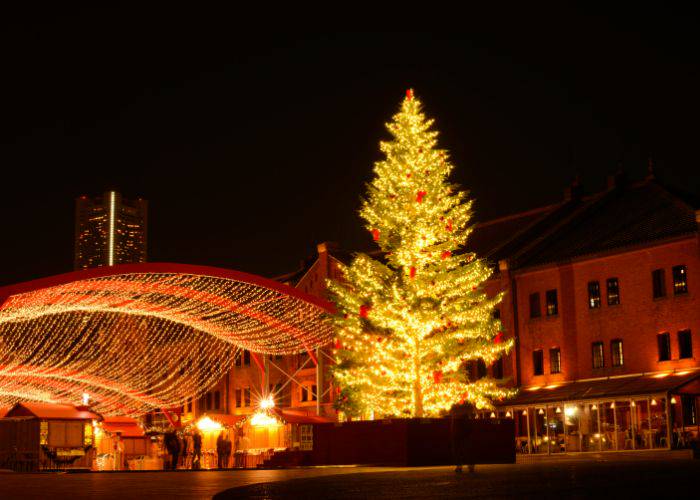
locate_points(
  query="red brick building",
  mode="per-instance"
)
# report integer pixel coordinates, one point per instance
(602, 299)
(601, 302)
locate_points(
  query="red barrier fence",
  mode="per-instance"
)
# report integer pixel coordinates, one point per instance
(414, 442)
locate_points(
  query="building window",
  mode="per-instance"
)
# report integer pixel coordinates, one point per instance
(246, 358)
(680, 280)
(689, 410)
(658, 283)
(246, 396)
(189, 406)
(239, 399)
(537, 362)
(308, 392)
(217, 400)
(498, 369)
(552, 305)
(613, 287)
(593, 295)
(663, 340)
(685, 344)
(207, 401)
(555, 360)
(618, 358)
(597, 355)
(535, 305)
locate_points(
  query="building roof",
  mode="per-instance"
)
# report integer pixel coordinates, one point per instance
(626, 215)
(613, 387)
(50, 411)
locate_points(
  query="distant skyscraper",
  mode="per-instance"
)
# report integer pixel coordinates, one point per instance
(109, 230)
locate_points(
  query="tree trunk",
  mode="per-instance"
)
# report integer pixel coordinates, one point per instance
(417, 390)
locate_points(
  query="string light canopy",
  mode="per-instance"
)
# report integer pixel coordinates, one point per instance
(138, 337)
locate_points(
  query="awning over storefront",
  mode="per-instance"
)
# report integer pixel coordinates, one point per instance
(609, 388)
(298, 417)
(125, 426)
(227, 420)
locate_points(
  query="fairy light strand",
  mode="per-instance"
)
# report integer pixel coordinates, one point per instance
(140, 341)
(407, 326)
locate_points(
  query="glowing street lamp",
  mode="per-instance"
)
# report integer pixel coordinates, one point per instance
(267, 403)
(207, 424)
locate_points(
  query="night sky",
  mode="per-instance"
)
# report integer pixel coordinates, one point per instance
(252, 147)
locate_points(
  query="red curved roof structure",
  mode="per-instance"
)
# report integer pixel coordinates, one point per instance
(137, 337)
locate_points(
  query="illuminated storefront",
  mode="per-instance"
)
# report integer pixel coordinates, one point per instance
(641, 412)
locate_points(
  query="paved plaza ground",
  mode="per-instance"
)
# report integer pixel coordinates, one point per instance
(644, 475)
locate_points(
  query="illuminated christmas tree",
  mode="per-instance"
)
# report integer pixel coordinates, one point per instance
(408, 324)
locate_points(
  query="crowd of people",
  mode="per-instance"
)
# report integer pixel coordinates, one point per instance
(185, 450)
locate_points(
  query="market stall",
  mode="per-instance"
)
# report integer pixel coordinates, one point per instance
(43, 436)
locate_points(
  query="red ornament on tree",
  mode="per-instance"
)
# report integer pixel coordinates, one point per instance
(449, 226)
(337, 345)
(437, 376)
(445, 254)
(420, 195)
(412, 272)
(498, 338)
(409, 94)
(364, 311)
(375, 234)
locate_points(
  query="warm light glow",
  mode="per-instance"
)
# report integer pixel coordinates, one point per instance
(684, 372)
(594, 407)
(653, 402)
(424, 304)
(524, 412)
(541, 412)
(86, 398)
(661, 375)
(264, 419)
(552, 386)
(205, 424)
(493, 415)
(508, 414)
(612, 405)
(673, 400)
(633, 403)
(140, 341)
(570, 411)
(558, 410)
(534, 388)
(267, 403)
(112, 209)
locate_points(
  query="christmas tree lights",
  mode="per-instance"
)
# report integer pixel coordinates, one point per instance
(406, 326)
(141, 341)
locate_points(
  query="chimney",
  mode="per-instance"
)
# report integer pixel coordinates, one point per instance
(616, 180)
(323, 249)
(574, 191)
(650, 168)
(326, 247)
